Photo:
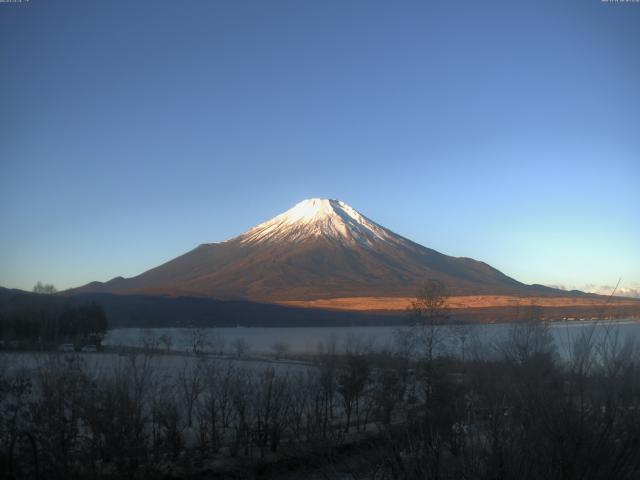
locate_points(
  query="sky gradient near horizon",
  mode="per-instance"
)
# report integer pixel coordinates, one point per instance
(505, 131)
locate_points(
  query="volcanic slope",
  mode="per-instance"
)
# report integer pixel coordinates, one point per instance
(318, 249)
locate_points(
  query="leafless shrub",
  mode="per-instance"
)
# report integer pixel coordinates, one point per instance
(271, 409)
(214, 411)
(199, 340)
(240, 347)
(149, 341)
(352, 381)
(166, 341)
(191, 385)
(217, 342)
(280, 349)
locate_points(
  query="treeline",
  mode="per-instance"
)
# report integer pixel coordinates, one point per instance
(509, 409)
(149, 311)
(29, 318)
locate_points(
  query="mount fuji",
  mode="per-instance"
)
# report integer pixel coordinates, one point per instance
(319, 249)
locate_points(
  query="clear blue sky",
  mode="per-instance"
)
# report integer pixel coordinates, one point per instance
(131, 131)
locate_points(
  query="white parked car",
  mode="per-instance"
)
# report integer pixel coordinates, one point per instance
(89, 349)
(67, 347)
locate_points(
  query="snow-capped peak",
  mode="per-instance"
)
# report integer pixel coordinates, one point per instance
(319, 217)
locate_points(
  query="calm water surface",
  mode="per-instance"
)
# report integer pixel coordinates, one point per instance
(310, 339)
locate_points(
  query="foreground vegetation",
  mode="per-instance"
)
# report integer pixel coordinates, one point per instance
(507, 410)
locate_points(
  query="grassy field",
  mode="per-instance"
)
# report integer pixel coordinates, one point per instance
(458, 302)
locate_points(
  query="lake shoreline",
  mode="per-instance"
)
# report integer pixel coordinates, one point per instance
(310, 340)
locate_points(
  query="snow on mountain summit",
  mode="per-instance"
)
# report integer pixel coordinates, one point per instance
(318, 249)
(319, 217)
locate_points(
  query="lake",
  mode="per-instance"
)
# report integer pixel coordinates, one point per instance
(308, 340)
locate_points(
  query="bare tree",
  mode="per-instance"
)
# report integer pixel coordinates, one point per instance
(526, 340)
(192, 384)
(15, 392)
(272, 400)
(199, 340)
(149, 340)
(430, 312)
(240, 347)
(218, 342)
(328, 381)
(44, 288)
(389, 385)
(280, 349)
(116, 417)
(241, 400)
(166, 340)
(215, 409)
(461, 334)
(358, 344)
(169, 418)
(303, 386)
(352, 380)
